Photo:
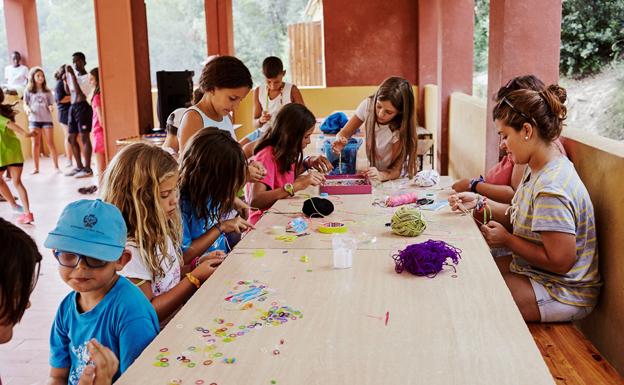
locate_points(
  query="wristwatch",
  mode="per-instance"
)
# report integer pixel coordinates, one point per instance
(290, 189)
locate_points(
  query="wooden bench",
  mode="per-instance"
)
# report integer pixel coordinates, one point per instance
(571, 358)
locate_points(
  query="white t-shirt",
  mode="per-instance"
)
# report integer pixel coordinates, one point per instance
(83, 82)
(384, 137)
(224, 124)
(274, 105)
(16, 77)
(137, 269)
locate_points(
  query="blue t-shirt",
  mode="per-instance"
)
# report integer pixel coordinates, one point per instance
(194, 227)
(124, 321)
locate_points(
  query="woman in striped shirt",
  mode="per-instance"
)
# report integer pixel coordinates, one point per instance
(549, 226)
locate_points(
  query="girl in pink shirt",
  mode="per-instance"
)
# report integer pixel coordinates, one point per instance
(280, 151)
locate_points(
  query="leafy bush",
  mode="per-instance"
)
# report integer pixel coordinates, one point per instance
(592, 35)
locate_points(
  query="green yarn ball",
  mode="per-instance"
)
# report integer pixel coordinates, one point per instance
(408, 222)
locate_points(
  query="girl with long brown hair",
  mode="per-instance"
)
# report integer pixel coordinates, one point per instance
(390, 126)
(280, 151)
(38, 102)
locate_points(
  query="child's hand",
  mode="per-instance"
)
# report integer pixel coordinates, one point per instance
(373, 174)
(243, 210)
(312, 178)
(320, 164)
(256, 171)
(208, 266)
(265, 117)
(462, 201)
(104, 368)
(236, 225)
(212, 256)
(461, 185)
(495, 234)
(339, 144)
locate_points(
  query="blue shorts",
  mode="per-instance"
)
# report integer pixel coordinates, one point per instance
(63, 112)
(40, 125)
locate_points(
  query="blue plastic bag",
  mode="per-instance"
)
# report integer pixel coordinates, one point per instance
(334, 122)
(346, 165)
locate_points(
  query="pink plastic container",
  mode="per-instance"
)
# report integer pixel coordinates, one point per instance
(346, 184)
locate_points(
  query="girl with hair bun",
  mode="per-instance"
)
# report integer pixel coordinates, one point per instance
(550, 226)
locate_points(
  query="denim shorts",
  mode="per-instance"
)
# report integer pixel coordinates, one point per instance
(552, 310)
(40, 125)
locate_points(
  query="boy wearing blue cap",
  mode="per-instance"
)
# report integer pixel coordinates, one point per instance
(88, 242)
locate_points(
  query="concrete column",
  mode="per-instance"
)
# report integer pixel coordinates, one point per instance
(368, 41)
(445, 44)
(22, 30)
(429, 51)
(124, 69)
(219, 27)
(520, 45)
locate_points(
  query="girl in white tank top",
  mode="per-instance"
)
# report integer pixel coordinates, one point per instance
(224, 124)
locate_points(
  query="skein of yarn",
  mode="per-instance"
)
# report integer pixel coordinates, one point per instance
(427, 258)
(408, 222)
(402, 199)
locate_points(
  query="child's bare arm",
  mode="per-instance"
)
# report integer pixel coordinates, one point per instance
(17, 128)
(498, 193)
(257, 109)
(191, 123)
(296, 96)
(58, 376)
(349, 129)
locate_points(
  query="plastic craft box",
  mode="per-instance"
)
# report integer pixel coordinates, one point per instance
(336, 189)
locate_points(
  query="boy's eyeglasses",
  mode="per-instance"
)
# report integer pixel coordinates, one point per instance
(68, 259)
(517, 111)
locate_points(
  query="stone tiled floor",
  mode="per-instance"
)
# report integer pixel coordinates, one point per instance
(24, 360)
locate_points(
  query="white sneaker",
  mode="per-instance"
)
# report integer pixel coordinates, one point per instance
(72, 172)
(84, 173)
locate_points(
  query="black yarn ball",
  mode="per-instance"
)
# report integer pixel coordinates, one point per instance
(317, 207)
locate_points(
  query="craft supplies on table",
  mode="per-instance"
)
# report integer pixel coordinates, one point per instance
(333, 228)
(346, 184)
(343, 247)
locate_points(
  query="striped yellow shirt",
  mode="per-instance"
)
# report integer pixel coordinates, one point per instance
(555, 199)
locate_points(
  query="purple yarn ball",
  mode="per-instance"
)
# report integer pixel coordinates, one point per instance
(427, 258)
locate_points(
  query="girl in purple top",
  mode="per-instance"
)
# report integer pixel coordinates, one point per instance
(38, 102)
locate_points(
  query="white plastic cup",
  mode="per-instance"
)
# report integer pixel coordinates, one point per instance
(344, 247)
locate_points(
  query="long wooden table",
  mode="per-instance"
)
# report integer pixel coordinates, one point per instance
(363, 325)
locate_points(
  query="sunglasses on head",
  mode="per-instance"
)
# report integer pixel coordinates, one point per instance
(517, 111)
(69, 259)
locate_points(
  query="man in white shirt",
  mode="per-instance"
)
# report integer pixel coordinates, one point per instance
(16, 74)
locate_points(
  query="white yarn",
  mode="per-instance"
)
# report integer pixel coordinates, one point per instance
(427, 178)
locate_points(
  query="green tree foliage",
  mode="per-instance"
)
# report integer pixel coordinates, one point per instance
(261, 30)
(592, 35)
(481, 33)
(177, 35)
(65, 27)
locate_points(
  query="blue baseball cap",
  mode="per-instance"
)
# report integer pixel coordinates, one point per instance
(92, 228)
